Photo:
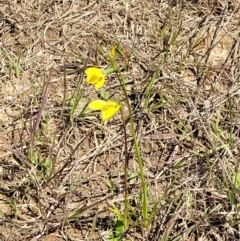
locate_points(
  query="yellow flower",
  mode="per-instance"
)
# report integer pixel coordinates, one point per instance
(108, 108)
(95, 76)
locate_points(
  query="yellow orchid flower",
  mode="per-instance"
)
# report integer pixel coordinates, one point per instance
(95, 76)
(108, 108)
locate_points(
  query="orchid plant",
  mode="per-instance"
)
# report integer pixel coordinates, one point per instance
(108, 108)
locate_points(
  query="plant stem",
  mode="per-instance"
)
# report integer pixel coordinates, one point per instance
(125, 174)
(138, 154)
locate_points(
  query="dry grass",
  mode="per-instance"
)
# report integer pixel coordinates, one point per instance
(182, 62)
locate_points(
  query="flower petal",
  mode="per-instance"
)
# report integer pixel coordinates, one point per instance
(95, 76)
(100, 83)
(110, 110)
(92, 79)
(97, 104)
(93, 70)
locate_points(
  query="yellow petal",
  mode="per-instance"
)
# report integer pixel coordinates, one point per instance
(100, 83)
(95, 76)
(97, 104)
(110, 110)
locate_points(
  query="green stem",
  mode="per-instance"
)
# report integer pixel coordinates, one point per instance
(138, 153)
(125, 173)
